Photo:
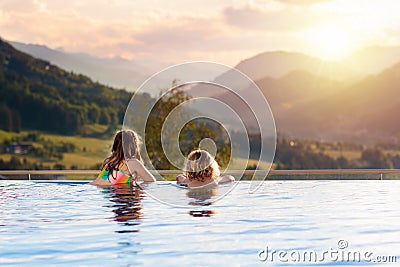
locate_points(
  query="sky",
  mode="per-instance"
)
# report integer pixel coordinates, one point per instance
(224, 31)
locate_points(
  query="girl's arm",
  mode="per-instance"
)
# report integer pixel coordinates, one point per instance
(99, 181)
(226, 179)
(141, 170)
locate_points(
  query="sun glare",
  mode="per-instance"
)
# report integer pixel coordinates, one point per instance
(330, 43)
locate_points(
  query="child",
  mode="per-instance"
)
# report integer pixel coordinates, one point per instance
(125, 164)
(201, 169)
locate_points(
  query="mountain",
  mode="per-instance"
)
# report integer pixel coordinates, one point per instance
(364, 112)
(285, 78)
(314, 107)
(374, 59)
(121, 73)
(276, 65)
(315, 99)
(279, 63)
(35, 94)
(293, 90)
(116, 72)
(306, 101)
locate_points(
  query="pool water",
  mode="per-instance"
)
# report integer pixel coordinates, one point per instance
(76, 224)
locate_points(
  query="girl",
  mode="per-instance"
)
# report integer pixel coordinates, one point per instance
(125, 164)
(201, 169)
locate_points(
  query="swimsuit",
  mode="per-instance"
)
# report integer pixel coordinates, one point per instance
(118, 177)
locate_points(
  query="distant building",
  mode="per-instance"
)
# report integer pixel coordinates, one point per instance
(18, 148)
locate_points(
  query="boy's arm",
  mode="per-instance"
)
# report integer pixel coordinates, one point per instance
(181, 179)
(226, 179)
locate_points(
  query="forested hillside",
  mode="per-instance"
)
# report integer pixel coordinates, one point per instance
(37, 95)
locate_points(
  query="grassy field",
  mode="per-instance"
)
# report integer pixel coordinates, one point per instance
(89, 151)
(6, 135)
(350, 154)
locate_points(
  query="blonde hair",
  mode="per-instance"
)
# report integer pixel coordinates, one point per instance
(200, 165)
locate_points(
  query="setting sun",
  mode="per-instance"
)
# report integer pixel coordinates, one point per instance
(330, 42)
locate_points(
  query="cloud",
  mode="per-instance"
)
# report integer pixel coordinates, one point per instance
(182, 39)
(44, 27)
(188, 32)
(197, 38)
(149, 31)
(160, 34)
(302, 2)
(391, 36)
(4, 18)
(23, 6)
(267, 19)
(157, 36)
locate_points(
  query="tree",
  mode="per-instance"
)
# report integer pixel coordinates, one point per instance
(5, 118)
(162, 108)
(376, 159)
(190, 135)
(343, 163)
(105, 117)
(94, 113)
(16, 121)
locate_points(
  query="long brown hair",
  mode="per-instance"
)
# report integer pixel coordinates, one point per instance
(126, 145)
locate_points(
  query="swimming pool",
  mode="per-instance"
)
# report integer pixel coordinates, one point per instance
(283, 223)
